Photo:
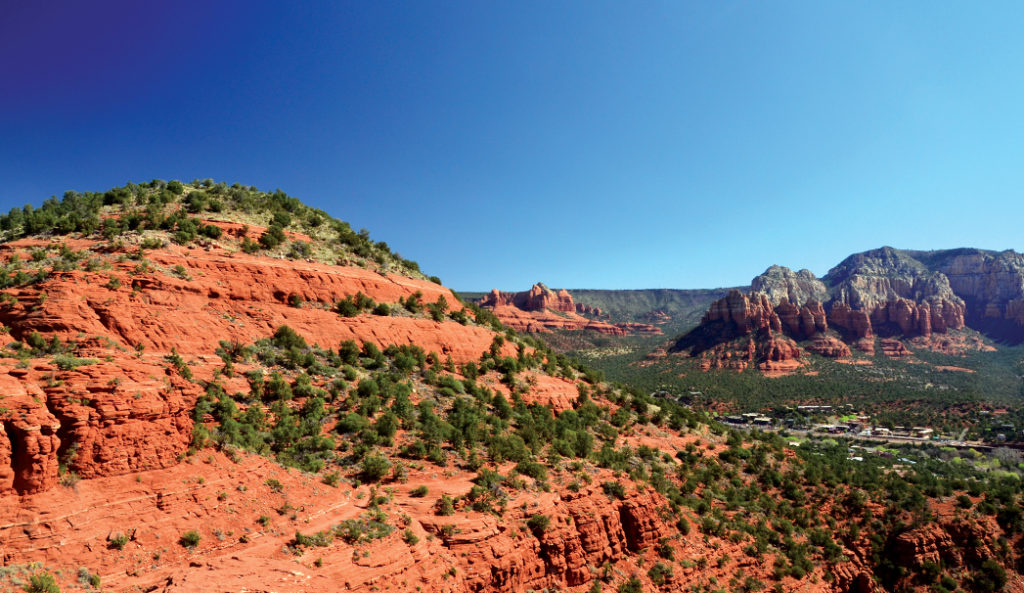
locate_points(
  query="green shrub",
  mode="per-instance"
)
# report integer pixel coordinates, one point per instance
(368, 527)
(990, 577)
(413, 303)
(286, 339)
(538, 524)
(272, 237)
(151, 243)
(67, 362)
(346, 307)
(665, 549)
(249, 246)
(374, 467)
(409, 537)
(418, 492)
(319, 539)
(42, 582)
(36, 341)
(444, 506)
(614, 490)
(533, 469)
(118, 542)
(190, 539)
(659, 573)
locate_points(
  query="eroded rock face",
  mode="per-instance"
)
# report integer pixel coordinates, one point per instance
(120, 418)
(803, 321)
(541, 309)
(744, 313)
(96, 420)
(954, 544)
(29, 441)
(779, 282)
(585, 531)
(992, 284)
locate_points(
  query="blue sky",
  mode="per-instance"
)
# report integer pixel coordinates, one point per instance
(582, 144)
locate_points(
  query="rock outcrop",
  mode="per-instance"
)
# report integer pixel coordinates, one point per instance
(992, 285)
(541, 310)
(885, 294)
(29, 441)
(538, 298)
(778, 282)
(898, 293)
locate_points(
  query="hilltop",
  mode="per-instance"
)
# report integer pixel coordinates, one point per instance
(212, 388)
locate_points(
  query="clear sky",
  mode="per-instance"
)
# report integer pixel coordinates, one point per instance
(583, 144)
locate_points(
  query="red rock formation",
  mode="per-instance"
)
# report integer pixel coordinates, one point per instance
(865, 345)
(942, 544)
(952, 344)
(829, 346)
(541, 310)
(29, 443)
(656, 316)
(98, 419)
(918, 319)
(854, 578)
(754, 315)
(123, 417)
(893, 348)
(857, 322)
(538, 298)
(802, 322)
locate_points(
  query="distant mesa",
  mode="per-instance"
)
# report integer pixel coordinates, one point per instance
(538, 298)
(542, 310)
(885, 299)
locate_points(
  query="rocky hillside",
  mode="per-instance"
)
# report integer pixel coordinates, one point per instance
(212, 388)
(882, 300)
